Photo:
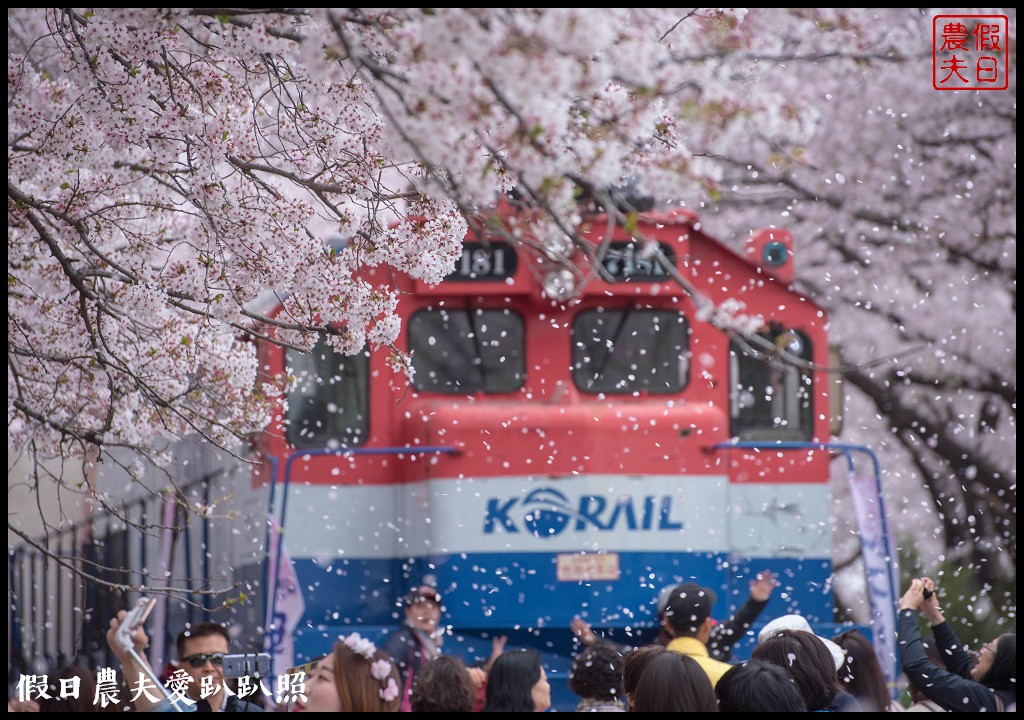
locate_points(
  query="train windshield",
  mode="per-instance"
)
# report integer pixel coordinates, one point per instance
(772, 395)
(467, 350)
(625, 351)
(329, 405)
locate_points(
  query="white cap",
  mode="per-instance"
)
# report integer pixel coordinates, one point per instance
(798, 622)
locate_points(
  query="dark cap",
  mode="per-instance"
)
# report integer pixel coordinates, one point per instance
(420, 593)
(689, 606)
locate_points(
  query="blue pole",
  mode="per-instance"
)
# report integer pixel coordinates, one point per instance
(320, 452)
(847, 449)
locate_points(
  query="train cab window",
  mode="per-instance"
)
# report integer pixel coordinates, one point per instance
(771, 397)
(626, 351)
(329, 405)
(467, 350)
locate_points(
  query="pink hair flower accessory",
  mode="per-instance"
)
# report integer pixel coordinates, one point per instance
(380, 669)
(360, 645)
(389, 693)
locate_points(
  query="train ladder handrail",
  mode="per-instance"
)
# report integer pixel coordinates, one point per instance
(308, 453)
(847, 449)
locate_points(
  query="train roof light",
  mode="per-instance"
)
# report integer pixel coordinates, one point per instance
(559, 284)
(559, 248)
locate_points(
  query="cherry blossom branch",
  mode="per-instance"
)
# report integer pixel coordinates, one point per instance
(183, 594)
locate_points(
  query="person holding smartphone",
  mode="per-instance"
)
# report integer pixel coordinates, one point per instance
(200, 668)
(987, 683)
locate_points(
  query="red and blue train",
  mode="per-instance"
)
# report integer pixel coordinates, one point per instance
(583, 428)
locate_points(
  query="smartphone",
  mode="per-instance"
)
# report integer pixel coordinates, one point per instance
(257, 664)
(135, 617)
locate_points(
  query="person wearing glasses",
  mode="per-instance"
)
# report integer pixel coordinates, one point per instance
(201, 650)
(200, 670)
(985, 684)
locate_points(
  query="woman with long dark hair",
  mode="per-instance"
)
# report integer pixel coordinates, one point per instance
(517, 683)
(633, 667)
(965, 685)
(672, 682)
(861, 675)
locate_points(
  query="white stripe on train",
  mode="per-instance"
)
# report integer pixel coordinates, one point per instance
(543, 514)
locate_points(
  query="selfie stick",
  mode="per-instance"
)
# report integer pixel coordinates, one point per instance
(136, 617)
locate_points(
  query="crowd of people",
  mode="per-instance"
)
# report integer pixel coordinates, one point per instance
(688, 668)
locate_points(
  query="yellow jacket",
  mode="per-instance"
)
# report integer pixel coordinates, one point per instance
(698, 651)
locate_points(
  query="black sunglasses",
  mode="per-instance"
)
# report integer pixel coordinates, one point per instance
(197, 661)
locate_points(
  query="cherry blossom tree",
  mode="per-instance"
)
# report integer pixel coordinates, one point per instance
(903, 204)
(168, 168)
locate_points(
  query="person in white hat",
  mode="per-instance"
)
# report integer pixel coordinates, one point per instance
(798, 622)
(807, 657)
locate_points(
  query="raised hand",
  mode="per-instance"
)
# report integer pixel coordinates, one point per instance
(914, 595)
(761, 587)
(581, 629)
(139, 638)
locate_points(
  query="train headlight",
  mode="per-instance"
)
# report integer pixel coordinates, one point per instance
(559, 284)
